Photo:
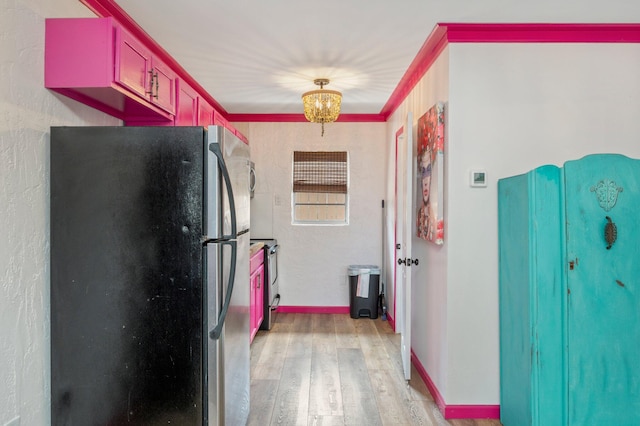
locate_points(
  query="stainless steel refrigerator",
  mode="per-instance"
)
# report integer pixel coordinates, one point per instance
(149, 276)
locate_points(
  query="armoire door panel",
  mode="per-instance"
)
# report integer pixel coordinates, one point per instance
(603, 283)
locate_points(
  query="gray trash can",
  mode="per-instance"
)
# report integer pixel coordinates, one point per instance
(363, 299)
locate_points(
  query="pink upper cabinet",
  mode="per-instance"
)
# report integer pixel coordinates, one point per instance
(138, 70)
(96, 62)
(187, 114)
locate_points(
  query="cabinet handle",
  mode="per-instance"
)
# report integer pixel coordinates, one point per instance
(151, 78)
(259, 280)
(154, 77)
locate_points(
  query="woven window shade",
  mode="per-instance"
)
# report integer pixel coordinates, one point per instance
(320, 172)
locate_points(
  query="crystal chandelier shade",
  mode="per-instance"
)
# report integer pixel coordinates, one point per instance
(322, 106)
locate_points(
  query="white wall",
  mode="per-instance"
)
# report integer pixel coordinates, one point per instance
(313, 260)
(512, 108)
(509, 108)
(27, 110)
(429, 278)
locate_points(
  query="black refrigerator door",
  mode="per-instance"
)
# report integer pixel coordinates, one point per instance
(127, 335)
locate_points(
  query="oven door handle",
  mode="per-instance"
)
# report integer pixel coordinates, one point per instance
(276, 302)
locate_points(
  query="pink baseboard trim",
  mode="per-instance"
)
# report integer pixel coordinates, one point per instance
(472, 412)
(392, 322)
(314, 309)
(454, 411)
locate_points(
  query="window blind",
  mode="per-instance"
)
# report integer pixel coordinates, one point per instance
(320, 171)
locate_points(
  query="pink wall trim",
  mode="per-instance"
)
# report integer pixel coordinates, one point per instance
(427, 55)
(299, 118)
(472, 412)
(392, 322)
(454, 411)
(542, 33)
(314, 309)
(446, 33)
(440, 37)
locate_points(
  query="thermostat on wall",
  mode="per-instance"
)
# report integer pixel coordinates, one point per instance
(478, 178)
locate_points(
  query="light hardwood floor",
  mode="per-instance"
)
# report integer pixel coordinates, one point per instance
(325, 369)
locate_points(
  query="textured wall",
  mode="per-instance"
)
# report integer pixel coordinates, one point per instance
(313, 260)
(27, 110)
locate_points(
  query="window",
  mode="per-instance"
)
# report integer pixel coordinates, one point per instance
(320, 187)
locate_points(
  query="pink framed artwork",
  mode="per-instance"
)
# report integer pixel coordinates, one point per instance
(430, 173)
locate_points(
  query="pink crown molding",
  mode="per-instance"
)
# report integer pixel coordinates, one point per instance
(106, 8)
(300, 118)
(445, 33)
(440, 37)
(542, 33)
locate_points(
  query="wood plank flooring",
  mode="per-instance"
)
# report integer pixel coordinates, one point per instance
(326, 370)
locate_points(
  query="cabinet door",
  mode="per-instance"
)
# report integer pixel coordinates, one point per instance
(259, 312)
(133, 64)
(603, 308)
(205, 113)
(255, 288)
(252, 304)
(140, 72)
(219, 120)
(164, 87)
(187, 114)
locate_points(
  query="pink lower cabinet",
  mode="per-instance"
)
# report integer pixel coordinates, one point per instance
(256, 291)
(97, 62)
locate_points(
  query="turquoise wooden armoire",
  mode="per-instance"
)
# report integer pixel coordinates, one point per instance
(569, 247)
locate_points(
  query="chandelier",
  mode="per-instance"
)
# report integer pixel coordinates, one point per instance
(321, 106)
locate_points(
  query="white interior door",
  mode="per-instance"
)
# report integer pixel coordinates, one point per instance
(404, 222)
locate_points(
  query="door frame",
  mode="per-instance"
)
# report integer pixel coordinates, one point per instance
(402, 243)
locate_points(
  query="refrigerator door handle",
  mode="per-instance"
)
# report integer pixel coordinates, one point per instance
(215, 148)
(217, 330)
(252, 180)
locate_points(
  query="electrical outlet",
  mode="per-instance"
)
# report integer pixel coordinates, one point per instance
(14, 422)
(277, 200)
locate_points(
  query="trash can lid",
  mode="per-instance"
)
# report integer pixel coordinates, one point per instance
(363, 269)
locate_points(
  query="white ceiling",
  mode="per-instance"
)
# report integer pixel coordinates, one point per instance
(259, 56)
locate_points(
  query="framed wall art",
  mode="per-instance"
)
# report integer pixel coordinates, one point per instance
(430, 174)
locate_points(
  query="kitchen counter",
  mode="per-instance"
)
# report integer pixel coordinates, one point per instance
(253, 248)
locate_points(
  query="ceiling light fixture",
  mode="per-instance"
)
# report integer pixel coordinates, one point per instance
(322, 106)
